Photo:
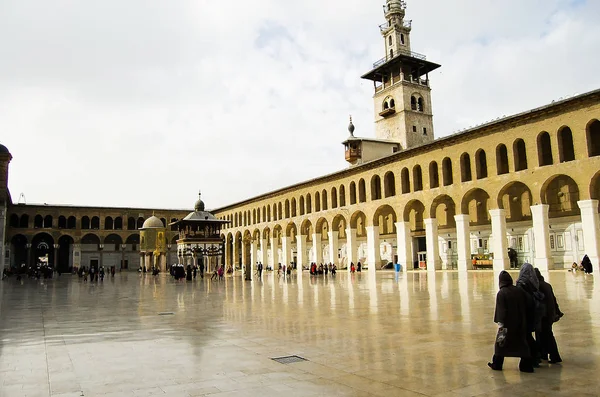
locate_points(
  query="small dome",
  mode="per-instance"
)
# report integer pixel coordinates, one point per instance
(3, 149)
(199, 206)
(153, 223)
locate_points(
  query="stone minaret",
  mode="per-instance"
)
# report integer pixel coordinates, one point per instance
(403, 111)
(5, 158)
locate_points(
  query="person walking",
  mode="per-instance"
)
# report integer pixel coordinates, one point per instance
(528, 283)
(511, 317)
(545, 337)
(260, 269)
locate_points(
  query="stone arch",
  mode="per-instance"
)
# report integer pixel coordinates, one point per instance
(287, 209)
(132, 239)
(566, 148)
(277, 231)
(352, 193)
(140, 222)
(339, 224)
(375, 187)
(24, 221)
(306, 229)
(593, 138)
(447, 175)
(266, 233)
(465, 168)
(108, 223)
(130, 223)
(417, 178)
(502, 159)
(113, 239)
(595, 188)
(414, 213)
(308, 203)
(322, 227)
(62, 222)
(561, 193)
(279, 211)
(544, 147)
(254, 219)
(481, 167)
(405, 180)
(38, 222)
(18, 251)
(291, 230)
(385, 218)
(475, 203)
(516, 199)
(443, 208)
(334, 198)
(520, 153)
(317, 202)
(389, 184)
(342, 196)
(90, 239)
(118, 223)
(358, 221)
(64, 261)
(362, 191)
(42, 245)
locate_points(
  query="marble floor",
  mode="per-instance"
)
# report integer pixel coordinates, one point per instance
(416, 335)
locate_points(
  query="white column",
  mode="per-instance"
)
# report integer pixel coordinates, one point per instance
(333, 246)
(243, 260)
(541, 235)
(404, 242)
(433, 249)
(253, 260)
(274, 252)
(235, 254)
(500, 247)
(285, 250)
(317, 248)
(373, 250)
(301, 248)
(590, 221)
(351, 247)
(463, 242)
(263, 253)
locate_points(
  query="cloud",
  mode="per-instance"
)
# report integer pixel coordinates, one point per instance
(142, 103)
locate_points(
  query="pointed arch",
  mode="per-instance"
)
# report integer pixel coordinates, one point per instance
(447, 174)
(593, 138)
(352, 193)
(317, 202)
(465, 168)
(520, 153)
(362, 191)
(481, 164)
(417, 178)
(334, 198)
(405, 180)
(342, 196)
(544, 147)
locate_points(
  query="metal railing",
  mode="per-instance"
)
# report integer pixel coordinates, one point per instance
(387, 25)
(407, 53)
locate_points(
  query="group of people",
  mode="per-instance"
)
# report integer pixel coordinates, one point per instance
(521, 310)
(357, 268)
(94, 274)
(37, 271)
(322, 269)
(180, 271)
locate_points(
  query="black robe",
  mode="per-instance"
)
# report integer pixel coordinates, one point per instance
(511, 309)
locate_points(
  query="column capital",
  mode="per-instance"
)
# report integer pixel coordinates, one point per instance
(462, 218)
(430, 221)
(588, 204)
(498, 213)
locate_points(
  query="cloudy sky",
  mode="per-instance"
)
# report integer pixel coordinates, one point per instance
(144, 102)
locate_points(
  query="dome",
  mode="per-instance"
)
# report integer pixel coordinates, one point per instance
(153, 223)
(199, 206)
(3, 149)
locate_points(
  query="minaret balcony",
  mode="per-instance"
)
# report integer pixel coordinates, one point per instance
(388, 58)
(387, 112)
(387, 26)
(353, 155)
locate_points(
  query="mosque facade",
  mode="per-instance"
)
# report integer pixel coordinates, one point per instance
(528, 182)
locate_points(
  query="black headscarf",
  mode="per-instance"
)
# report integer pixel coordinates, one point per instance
(527, 276)
(505, 279)
(539, 275)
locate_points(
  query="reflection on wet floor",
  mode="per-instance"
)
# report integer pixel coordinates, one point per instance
(409, 334)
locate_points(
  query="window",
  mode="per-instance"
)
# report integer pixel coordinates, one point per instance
(413, 103)
(390, 40)
(342, 196)
(362, 191)
(593, 138)
(481, 163)
(375, 187)
(405, 181)
(414, 128)
(402, 38)
(502, 160)
(420, 105)
(465, 168)
(520, 155)
(352, 193)
(424, 131)
(417, 178)
(434, 177)
(447, 172)
(389, 182)
(544, 149)
(566, 151)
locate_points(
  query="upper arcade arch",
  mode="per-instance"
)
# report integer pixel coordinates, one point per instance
(516, 199)
(476, 204)
(561, 194)
(443, 209)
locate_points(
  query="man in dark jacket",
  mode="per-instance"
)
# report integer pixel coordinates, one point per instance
(510, 315)
(544, 335)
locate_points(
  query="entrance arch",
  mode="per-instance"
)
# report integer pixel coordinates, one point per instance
(42, 248)
(561, 193)
(18, 250)
(515, 198)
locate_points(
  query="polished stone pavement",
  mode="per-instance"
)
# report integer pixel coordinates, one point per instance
(419, 335)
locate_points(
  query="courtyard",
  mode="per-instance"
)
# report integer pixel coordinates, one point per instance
(415, 334)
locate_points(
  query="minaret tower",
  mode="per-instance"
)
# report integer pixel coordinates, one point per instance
(402, 97)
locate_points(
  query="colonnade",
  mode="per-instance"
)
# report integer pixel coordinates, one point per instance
(541, 245)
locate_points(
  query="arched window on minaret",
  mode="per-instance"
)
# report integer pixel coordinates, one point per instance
(420, 105)
(413, 103)
(392, 103)
(391, 53)
(391, 40)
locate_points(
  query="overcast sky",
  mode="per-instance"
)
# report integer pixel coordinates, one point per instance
(144, 102)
